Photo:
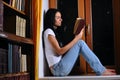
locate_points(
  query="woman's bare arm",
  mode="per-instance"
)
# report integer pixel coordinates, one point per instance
(61, 50)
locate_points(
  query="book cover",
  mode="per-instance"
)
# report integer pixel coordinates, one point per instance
(79, 24)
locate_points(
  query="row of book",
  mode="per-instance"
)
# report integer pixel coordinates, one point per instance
(16, 60)
(20, 26)
(18, 4)
(12, 60)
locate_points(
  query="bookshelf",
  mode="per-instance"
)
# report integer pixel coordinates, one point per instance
(16, 40)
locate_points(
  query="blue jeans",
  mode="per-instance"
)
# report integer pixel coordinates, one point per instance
(64, 67)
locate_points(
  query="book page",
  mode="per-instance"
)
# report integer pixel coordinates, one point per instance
(79, 24)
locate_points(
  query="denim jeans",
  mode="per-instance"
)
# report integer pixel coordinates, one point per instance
(64, 67)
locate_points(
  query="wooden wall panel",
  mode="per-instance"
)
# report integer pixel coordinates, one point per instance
(52, 3)
(81, 13)
(116, 19)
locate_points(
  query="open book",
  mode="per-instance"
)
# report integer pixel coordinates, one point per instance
(79, 24)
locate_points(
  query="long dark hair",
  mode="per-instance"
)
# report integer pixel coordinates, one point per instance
(49, 20)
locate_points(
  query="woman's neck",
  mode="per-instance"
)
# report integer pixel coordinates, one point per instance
(55, 27)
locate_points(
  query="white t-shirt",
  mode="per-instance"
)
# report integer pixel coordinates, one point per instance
(52, 57)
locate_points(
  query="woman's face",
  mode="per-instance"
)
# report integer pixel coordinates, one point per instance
(58, 19)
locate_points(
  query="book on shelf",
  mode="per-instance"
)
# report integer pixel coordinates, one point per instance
(23, 63)
(1, 15)
(9, 58)
(79, 25)
(15, 59)
(3, 61)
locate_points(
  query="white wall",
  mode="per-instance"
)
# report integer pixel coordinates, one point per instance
(41, 60)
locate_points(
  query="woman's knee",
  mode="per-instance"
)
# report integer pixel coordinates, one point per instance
(81, 42)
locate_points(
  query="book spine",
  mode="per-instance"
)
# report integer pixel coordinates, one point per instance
(15, 59)
(1, 15)
(9, 58)
(3, 61)
(23, 5)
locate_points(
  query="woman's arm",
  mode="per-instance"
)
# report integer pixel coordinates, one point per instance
(62, 50)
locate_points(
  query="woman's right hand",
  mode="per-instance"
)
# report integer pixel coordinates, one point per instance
(79, 36)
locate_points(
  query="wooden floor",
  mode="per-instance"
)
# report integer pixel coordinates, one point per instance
(116, 77)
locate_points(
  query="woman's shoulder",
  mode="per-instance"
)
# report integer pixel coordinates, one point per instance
(49, 31)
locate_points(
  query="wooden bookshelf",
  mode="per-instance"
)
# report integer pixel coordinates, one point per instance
(16, 40)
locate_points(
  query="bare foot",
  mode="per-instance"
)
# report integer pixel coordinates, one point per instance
(109, 72)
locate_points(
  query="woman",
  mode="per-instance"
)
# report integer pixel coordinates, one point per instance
(62, 65)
